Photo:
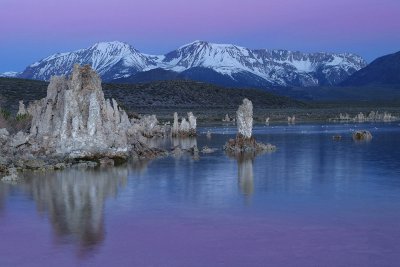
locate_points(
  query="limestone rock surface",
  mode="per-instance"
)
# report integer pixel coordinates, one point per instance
(244, 118)
(76, 119)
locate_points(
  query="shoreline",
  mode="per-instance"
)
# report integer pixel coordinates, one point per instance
(52, 163)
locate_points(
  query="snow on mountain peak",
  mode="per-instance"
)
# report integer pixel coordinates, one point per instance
(111, 60)
(9, 74)
(117, 59)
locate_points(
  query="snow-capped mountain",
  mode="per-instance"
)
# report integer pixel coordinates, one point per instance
(110, 59)
(217, 63)
(10, 74)
(276, 67)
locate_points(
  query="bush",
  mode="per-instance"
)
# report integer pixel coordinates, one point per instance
(5, 114)
(22, 117)
(15, 124)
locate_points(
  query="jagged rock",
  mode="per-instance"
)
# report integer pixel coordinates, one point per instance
(33, 164)
(60, 166)
(4, 134)
(244, 141)
(149, 126)
(85, 164)
(186, 127)
(82, 165)
(177, 151)
(192, 124)
(195, 153)
(194, 150)
(345, 117)
(242, 144)
(362, 136)
(227, 118)
(92, 164)
(291, 120)
(50, 168)
(360, 117)
(175, 126)
(21, 109)
(75, 118)
(19, 139)
(373, 116)
(12, 175)
(265, 147)
(106, 162)
(4, 162)
(336, 137)
(207, 150)
(245, 118)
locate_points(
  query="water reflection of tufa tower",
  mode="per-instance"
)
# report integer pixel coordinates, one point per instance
(74, 202)
(245, 174)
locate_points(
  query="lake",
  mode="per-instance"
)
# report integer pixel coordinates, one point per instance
(313, 202)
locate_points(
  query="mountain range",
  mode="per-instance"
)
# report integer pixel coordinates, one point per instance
(223, 64)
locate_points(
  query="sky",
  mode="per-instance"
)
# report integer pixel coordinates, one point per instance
(33, 29)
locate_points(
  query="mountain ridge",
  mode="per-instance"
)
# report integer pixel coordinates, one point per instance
(384, 70)
(239, 65)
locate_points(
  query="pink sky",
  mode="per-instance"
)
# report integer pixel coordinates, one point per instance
(33, 29)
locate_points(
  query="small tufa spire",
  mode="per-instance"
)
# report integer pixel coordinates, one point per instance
(21, 109)
(244, 116)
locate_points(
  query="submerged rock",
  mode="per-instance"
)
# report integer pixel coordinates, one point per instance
(177, 151)
(362, 136)
(207, 150)
(227, 119)
(336, 137)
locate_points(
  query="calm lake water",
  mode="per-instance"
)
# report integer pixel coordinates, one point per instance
(313, 202)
